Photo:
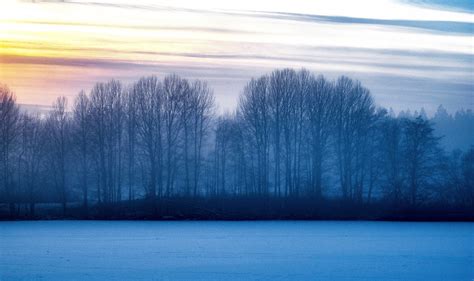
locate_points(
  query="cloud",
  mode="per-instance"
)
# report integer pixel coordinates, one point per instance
(138, 27)
(455, 27)
(434, 26)
(93, 3)
(452, 5)
(442, 65)
(403, 59)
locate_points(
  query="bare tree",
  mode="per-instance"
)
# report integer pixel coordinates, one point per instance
(392, 155)
(468, 177)
(202, 112)
(107, 132)
(148, 93)
(33, 142)
(293, 137)
(420, 150)
(59, 132)
(174, 88)
(9, 119)
(354, 117)
(82, 140)
(319, 105)
(282, 87)
(222, 149)
(131, 127)
(185, 112)
(298, 124)
(255, 113)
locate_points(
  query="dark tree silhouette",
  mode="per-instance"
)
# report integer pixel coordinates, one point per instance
(420, 150)
(297, 146)
(9, 122)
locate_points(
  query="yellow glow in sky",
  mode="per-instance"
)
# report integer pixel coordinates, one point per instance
(51, 48)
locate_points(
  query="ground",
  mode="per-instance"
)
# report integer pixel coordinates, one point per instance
(271, 250)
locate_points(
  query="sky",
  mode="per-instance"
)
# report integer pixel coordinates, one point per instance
(410, 54)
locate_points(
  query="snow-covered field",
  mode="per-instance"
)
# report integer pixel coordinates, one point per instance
(280, 250)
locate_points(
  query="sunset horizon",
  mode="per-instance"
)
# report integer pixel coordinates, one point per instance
(410, 54)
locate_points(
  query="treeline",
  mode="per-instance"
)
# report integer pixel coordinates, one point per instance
(293, 136)
(456, 128)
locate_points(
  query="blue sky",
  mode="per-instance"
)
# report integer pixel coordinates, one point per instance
(411, 54)
(453, 5)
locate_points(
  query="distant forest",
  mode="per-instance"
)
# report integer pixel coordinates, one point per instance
(298, 146)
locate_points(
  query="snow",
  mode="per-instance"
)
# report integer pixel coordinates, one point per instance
(275, 250)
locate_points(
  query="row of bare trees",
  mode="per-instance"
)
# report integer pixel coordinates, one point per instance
(116, 143)
(293, 135)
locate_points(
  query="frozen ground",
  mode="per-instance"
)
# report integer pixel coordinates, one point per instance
(83, 250)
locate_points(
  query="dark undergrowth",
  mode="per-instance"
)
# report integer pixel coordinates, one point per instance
(240, 208)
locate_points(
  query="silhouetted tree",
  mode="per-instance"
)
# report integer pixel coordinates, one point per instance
(391, 149)
(149, 97)
(320, 107)
(59, 129)
(468, 177)
(420, 150)
(201, 111)
(174, 89)
(254, 110)
(33, 143)
(82, 141)
(9, 121)
(107, 130)
(294, 137)
(354, 109)
(131, 128)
